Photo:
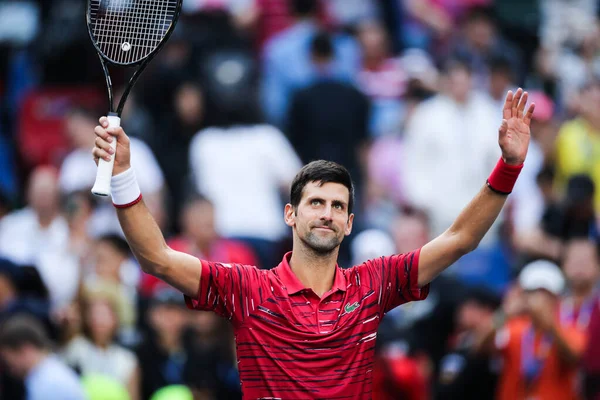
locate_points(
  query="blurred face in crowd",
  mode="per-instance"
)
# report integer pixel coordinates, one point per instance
(102, 322)
(189, 104)
(590, 101)
(80, 130)
(199, 223)
(43, 191)
(168, 319)
(471, 315)
(410, 232)
(480, 32)
(457, 82)
(321, 219)
(8, 291)
(581, 264)
(18, 360)
(374, 41)
(108, 260)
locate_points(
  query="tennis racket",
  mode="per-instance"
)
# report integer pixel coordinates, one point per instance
(126, 33)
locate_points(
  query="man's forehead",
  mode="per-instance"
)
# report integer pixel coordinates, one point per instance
(328, 189)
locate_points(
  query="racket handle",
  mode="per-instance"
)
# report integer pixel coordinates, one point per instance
(105, 168)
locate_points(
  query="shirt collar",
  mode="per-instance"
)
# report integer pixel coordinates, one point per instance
(293, 284)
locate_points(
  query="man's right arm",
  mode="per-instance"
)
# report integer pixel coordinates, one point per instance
(180, 270)
(145, 239)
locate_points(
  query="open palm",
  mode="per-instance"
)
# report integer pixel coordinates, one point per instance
(514, 132)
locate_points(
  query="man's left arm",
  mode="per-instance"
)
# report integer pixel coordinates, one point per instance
(478, 216)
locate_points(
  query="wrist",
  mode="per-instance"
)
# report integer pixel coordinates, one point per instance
(125, 190)
(504, 176)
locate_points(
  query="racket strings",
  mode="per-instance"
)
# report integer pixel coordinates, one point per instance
(127, 31)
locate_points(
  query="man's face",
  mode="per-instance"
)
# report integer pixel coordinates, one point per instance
(321, 220)
(14, 359)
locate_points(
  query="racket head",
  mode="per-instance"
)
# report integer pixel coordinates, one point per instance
(128, 32)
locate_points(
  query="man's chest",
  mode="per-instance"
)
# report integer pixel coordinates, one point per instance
(303, 317)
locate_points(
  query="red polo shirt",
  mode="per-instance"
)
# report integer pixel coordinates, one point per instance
(291, 344)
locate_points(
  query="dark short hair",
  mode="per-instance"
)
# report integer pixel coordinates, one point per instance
(21, 330)
(117, 242)
(303, 7)
(321, 171)
(321, 46)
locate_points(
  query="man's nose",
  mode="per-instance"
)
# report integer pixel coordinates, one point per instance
(326, 213)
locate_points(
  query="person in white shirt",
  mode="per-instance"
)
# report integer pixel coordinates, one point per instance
(445, 150)
(244, 170)
(25, 348)
(38, 235)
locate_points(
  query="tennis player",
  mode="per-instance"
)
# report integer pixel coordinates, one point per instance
(306, 329)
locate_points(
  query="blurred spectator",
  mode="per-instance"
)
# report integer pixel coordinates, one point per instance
(429, 23)
(578, 142)
(171, 144)
(287, 64)
(574, 66)
(502, 78)
(581, 266)
(113, 266)
(200, 238)
(458, 129)
(244, 167)
(569, 217)
(540, 355)
(162, 355)
(463, 374)
(385, 79)
(96, 352)
(25, 235)
(38, 235)
(565, 24)
(25, 348)
(480, 42)
(329, 119)
(381, 78)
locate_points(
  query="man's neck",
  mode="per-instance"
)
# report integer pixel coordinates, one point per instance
(313, 270)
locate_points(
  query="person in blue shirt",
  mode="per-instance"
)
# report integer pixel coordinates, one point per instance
(287, 64)
(25, 348)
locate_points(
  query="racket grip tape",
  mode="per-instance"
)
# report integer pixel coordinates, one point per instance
(105, 168)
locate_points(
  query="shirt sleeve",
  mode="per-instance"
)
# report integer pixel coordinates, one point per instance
(395, 279)
(231, 290)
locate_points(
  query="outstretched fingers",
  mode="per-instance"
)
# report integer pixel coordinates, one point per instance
(506, 111)
(529, 114)
(522, 105)
(515, 103)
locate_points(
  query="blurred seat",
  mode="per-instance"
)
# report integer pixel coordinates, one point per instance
(40, 136)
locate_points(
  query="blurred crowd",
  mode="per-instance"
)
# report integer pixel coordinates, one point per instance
(406, 94)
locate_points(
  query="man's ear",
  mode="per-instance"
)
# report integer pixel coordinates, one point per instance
(348, 229)
(289, 215)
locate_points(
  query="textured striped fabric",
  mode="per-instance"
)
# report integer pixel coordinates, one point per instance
(291, 344)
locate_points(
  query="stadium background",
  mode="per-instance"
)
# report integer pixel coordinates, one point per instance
(405, 93)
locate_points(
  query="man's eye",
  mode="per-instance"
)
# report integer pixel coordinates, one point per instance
(338, 206)
(315, 202)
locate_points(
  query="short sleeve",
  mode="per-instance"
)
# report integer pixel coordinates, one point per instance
(395, 279)
(231, 290)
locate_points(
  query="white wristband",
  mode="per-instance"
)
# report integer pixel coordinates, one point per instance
(125, 190)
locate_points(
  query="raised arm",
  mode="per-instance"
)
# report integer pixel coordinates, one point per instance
(145, 239)
(478, 216)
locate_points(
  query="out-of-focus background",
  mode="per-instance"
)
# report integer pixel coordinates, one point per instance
(406, 94)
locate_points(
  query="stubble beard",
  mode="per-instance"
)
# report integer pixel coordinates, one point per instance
(320, 246)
